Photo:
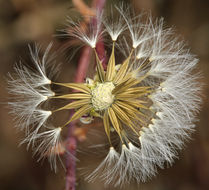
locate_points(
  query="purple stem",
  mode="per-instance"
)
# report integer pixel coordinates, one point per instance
(79, 77)
(70, 183)
(71, 162)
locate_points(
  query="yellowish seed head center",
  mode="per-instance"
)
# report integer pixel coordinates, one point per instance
(102, 96)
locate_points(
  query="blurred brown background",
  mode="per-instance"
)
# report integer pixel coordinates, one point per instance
(26, 21)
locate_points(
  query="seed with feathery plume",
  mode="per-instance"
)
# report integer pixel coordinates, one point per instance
(149, 100)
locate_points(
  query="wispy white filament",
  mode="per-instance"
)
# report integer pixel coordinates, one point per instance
(46, 144)
(157, 59)
(90, 38)
(114, 24)
(30, 89)
(26, 103)
(110, 161)
(168, 68)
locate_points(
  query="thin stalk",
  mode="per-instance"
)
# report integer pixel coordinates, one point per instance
(82, 68)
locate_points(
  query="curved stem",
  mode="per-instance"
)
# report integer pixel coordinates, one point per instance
(70, 161)
(79, 78)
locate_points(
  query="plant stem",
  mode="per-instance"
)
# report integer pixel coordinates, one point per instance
(71, 162)
(72, 140)
(79, 78)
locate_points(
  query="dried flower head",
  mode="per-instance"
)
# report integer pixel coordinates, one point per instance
(149, 100)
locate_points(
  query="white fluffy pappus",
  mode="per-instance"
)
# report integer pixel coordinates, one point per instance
(169, 69)
(90, 38)
(46, 144)
(170, 97)
(30, 88)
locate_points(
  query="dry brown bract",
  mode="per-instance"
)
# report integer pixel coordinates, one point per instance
(114, 95)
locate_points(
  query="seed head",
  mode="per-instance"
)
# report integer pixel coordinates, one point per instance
(148, 101)
(102, 96)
